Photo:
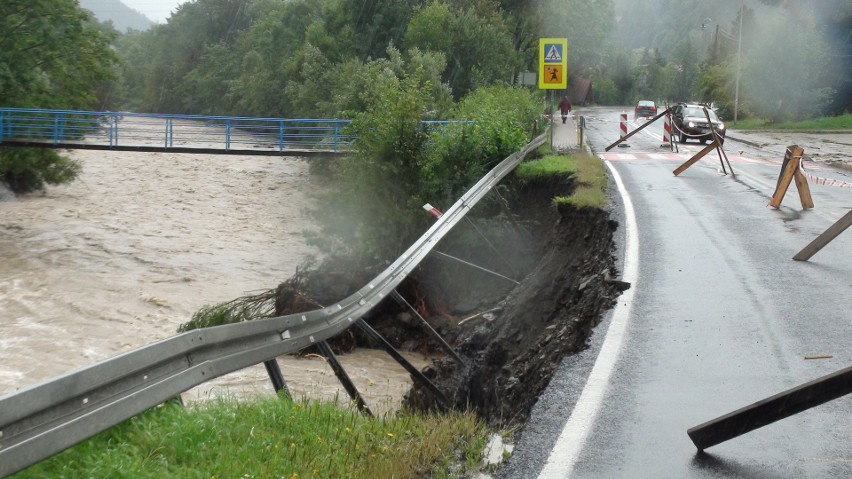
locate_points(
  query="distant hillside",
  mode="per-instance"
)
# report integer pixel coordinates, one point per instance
(122, 16)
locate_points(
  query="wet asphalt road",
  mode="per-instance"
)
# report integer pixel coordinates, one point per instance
(719, 317)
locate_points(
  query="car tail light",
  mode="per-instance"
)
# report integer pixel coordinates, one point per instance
(653, 108)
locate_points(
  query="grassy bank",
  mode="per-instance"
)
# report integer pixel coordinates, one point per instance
(272, 438)
(587, 170)
(843, 122)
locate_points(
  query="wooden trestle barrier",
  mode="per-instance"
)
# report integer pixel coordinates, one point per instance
(791, 169)
(769, 410)
(715, 144)
(625, 137)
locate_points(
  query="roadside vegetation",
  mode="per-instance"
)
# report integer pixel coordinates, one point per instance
(272, 438)
(588, 173)
(827, 123)
(333, 58)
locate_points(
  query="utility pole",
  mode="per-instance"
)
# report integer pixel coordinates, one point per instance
(714, 58)
(739, 54)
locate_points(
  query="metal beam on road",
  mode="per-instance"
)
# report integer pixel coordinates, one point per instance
(769, 410)
(652, 120)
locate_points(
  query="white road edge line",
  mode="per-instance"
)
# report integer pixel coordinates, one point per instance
(565, 452)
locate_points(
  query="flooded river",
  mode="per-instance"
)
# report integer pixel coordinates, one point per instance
(128, 252)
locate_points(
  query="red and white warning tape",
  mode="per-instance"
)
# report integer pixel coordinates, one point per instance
(818, 180)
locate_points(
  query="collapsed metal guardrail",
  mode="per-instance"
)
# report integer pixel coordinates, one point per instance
(42, 420)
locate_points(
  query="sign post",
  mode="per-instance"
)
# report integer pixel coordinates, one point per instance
(552, 69)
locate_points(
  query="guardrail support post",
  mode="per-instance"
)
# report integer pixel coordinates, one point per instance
(415, 373)
(344, 379)
(274, 372)
(446, 347)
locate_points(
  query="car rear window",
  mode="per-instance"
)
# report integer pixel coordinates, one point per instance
(699, 112)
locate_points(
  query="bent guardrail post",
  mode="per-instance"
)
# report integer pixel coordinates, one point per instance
(637, 130)
(826, 237)
(428, 327)
(790, 169)
(274, 372)
(344, 378)
(415, 373)
(771, 409)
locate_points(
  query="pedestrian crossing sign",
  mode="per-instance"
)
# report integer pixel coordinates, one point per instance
(553, 53)
(553, 63)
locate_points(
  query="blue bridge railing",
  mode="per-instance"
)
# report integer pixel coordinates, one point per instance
(179, 133)
(157, 132)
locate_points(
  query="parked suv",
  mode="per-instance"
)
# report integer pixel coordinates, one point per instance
(690, 122)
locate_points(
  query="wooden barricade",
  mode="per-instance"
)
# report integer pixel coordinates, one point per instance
(826, 237)
(715, 144)
(790, 170)
(771, 409)
(625, 137)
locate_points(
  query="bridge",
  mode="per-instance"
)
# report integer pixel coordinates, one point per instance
(151, 132)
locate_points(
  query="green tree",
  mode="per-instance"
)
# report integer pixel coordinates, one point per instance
(51, 56)
(684, 68)
(371, 213)
(371, 26)
(474, 39)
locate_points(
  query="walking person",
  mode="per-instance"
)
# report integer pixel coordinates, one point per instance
(564, 107)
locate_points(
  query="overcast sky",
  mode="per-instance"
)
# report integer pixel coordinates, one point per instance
(156, 10)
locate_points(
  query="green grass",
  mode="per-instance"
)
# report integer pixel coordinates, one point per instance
(588, 171)
(842, 122)
(272, 438)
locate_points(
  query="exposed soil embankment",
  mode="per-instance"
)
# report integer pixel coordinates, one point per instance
(512, 354)
(547, 286)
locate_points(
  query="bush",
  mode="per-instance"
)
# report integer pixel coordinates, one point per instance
(496, 122)
(29, 169)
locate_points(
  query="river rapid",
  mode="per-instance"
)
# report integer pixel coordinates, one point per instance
(128, 252)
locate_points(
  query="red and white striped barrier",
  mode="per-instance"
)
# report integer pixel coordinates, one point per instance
(623, 125)
(432, 210)
(667, 132)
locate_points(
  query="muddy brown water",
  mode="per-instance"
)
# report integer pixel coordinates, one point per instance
(124, 255)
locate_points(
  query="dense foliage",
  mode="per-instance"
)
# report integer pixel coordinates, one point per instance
(401, 163)
(51, 56)
(301, 58)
